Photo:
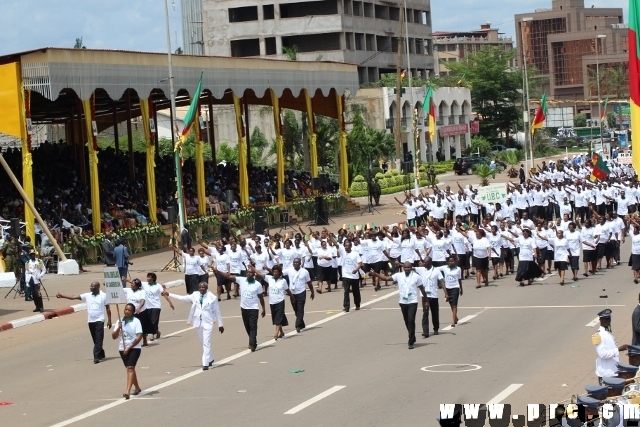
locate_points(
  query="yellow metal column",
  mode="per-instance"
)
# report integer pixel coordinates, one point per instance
(344, 165)
(92, 144)
(313, 149)
(27, 167)
(201, 184)
(242, 154)
(151, 155)
(275, 102)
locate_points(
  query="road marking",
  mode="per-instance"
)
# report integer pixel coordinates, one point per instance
(504, 394)
(178, 332)
(464, 320)
(593, 323)
(469, 369)
(200, 371)
(315, 399)
(546, 276)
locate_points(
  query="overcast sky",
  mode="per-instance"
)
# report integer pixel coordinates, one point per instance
(140, 24)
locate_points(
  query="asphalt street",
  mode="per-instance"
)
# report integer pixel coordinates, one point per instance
(516, 345)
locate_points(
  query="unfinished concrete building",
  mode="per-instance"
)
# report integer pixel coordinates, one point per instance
(568, 42)
(353, 31)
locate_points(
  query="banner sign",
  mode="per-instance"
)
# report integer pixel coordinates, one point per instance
(494, 193)
(451, 130)
(113, 286)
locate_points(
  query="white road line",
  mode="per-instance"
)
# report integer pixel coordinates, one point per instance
(463, 320)
(593, 323)
(200, 371)
(504, 394)
(315, 399)
(178, 332)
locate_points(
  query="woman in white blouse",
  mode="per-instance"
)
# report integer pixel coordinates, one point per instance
(634, 259)
(574, 239)
(527, 267)
(325, 258)
(278, 288)
(589, 247)
(560, 247)
(128, 332)
(453, 285)
(192, 269)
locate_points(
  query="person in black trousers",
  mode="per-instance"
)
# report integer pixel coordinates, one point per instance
(522, 175)
(185, 239)
(432, 280)
(408, 284)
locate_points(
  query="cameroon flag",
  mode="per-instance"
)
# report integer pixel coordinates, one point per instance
(600, 169)
(634, 73)
(430, 108)
(192, 113)
(603, 116)
(541, 114)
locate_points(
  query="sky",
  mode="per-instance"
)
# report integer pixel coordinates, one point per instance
(140, 24)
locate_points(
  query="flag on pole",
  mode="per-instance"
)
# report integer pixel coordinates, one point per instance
(462, 78)
(192, 113)
(634, 72)
(541, 114)
(603, 116)
(430, 108)
(600, 169)
(403, 73)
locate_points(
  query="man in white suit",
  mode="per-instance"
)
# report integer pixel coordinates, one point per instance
(204, 311)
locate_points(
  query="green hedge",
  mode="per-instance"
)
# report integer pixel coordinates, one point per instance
(388, 185)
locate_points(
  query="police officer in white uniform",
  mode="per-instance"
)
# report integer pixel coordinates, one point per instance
(204, 311)
(606, 347)
(33, 272)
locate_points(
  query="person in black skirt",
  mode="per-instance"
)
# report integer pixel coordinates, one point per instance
(278, 288)
(136, 296)
(128, 332)
(527, 267)
(634, 258)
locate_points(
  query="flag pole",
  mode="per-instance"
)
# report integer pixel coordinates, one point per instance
(176, 153)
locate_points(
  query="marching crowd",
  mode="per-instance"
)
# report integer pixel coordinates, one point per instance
(549, 221)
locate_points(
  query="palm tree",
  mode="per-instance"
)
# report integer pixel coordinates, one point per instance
(484, 172)
(79, 44)
(511, 159)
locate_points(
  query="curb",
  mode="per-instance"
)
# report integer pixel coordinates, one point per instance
(60, 312)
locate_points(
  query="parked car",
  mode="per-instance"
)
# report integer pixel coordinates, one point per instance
(465, 164)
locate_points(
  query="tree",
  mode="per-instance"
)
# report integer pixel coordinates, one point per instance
(484, 172)
(79, 44)
(366, 144)
(511, 159)
(179, 51)
(326, 142)
(259, 145)
(479, 143)
(494, 89)
(227, 153)
(292, 139)
(579, 120)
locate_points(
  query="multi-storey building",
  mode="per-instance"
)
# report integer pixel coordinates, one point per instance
(454, 46)
(353, 31)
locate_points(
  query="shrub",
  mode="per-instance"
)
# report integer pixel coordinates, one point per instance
(388, 174)
(376, 170)
(379, 175)
(399, 180)
(383, 183)
(395, 173)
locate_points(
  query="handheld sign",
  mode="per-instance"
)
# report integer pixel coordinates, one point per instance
(113, 286)
(495, 193)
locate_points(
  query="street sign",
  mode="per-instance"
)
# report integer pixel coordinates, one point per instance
(494, 193)
(113, 286)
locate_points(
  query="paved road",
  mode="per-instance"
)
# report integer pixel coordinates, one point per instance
(535, 336)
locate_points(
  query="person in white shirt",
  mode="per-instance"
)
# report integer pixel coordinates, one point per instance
(325, 258)
(192, 269)
(453, 285)
(250, 296)
(409, 282)
(634, 261)
(260, 261)
(410, 207)
(432, 281)
(527, 267)
(606, 348)
(482, 251)
(136, 296)
(299, 280)
(204, 262)
(278, 288)
(33, 272)
(128, 332)
(574, 239)
(96, 306)
(153, 291)
(560, 247)
(351, 265)
(205, 310)
(222, 263)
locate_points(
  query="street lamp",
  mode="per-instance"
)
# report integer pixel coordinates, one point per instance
(527, 124)
(599, 36)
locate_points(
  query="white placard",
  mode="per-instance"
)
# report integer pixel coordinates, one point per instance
(494, 193)
(113, 286)
(94, 127)
(152, 126)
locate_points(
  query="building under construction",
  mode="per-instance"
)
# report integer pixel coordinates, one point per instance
(572, 47)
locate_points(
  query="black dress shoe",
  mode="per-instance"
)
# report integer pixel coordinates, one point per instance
(358, 307)
(298, 330)
(36, 310)
(205, 368)
(95, 361)
(425, 335)
(436, 333)
(410, 346)
(211, 363)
